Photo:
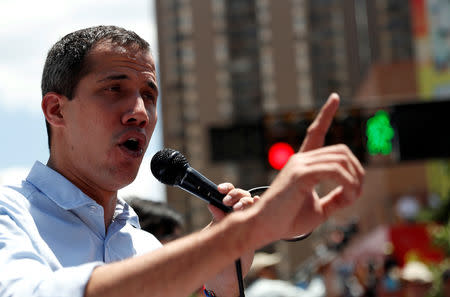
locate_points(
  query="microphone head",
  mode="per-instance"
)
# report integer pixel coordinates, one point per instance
(169, 166)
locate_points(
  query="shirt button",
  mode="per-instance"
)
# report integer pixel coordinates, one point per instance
(93, 208)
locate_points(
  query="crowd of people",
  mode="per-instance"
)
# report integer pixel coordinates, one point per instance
(336, 278)
(328, 275)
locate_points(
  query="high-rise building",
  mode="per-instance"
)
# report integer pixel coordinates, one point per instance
(228, 62)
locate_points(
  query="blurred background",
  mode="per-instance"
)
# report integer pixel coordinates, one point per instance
(240, 82)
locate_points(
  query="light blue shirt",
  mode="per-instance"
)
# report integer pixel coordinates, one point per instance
(52, 236)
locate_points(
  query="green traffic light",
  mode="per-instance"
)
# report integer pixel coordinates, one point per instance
(379, 134)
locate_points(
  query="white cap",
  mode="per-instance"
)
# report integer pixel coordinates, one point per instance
(415, 271)
(262, 260)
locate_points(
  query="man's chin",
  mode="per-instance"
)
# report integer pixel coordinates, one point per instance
(126, 181)
(123, 177)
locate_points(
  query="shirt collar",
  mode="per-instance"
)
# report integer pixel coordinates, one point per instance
(58, 188)
(67, 196)
(125, 212)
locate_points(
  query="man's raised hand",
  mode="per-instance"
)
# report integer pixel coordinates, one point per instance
(294, 203)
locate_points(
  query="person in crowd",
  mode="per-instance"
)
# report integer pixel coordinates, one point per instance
(65, 232)
(416, 279)
(157, 218)
(390, 280)
(446, 282)
(265, 282)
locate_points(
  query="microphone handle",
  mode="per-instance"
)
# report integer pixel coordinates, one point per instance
(197, 184)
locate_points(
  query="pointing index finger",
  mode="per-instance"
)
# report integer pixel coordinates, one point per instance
(315, 136)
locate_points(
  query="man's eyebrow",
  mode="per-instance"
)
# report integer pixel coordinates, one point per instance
(150, 83)
(114, 77)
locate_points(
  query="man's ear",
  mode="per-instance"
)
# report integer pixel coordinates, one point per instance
(52, 104)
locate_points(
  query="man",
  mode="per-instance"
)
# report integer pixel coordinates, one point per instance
(64, 232)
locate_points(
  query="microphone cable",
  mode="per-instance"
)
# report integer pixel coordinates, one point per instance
(258, 191)
(238, 267)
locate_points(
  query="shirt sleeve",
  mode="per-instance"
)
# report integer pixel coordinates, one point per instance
(24, 272)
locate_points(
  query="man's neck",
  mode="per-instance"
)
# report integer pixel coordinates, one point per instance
(106, 199)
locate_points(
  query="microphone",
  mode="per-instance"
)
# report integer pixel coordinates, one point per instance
(170, 167)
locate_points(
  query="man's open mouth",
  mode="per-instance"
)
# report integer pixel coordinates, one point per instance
(133, 146)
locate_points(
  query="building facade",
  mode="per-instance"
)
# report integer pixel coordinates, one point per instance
(228, 62)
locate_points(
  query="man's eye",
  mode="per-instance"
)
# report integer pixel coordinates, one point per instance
(113, 88)
(148, 96)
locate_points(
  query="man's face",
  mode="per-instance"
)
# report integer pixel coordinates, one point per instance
(111, 117)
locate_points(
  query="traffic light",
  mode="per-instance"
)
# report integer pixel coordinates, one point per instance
(379, 134)
(422, 130)
(348, 128)
(394, 133)
(278, 154)
(290, 128)
(282, 133)
(401, 132)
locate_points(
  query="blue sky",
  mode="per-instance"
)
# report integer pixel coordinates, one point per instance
(27, 30)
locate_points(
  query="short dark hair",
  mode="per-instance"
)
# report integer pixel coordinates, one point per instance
(65, 63)
(157, 217)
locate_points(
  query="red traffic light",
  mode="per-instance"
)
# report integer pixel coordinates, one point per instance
(279, 154)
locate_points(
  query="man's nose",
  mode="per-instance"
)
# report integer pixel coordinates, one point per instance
(136, 113)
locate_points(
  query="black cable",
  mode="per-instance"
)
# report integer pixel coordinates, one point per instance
(238, 266)
(239, 277)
